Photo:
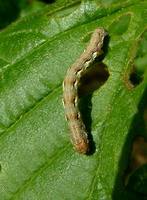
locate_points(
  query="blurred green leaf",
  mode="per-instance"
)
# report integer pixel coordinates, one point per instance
(9, 11)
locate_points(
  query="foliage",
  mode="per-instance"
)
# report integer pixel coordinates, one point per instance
(36, 158)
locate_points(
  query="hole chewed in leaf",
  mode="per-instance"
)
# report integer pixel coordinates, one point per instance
(120, 26)
(139, 64)
(135, 78)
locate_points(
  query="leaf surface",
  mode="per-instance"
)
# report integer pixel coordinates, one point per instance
(36, 158)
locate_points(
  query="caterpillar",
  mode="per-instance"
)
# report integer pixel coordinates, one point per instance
(79, 136)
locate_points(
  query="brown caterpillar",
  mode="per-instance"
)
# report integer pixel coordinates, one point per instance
(79, 135)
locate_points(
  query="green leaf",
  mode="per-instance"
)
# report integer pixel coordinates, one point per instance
(36, 157)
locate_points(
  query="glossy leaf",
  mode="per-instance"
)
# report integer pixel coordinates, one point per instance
(36, 157)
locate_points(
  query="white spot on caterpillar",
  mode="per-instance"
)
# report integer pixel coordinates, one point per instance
(94, 55)
(76, 101)
(76, 85)
(87, 64)
(79, 73)
(79, 135)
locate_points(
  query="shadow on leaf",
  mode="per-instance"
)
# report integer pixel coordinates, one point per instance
(92, 80)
